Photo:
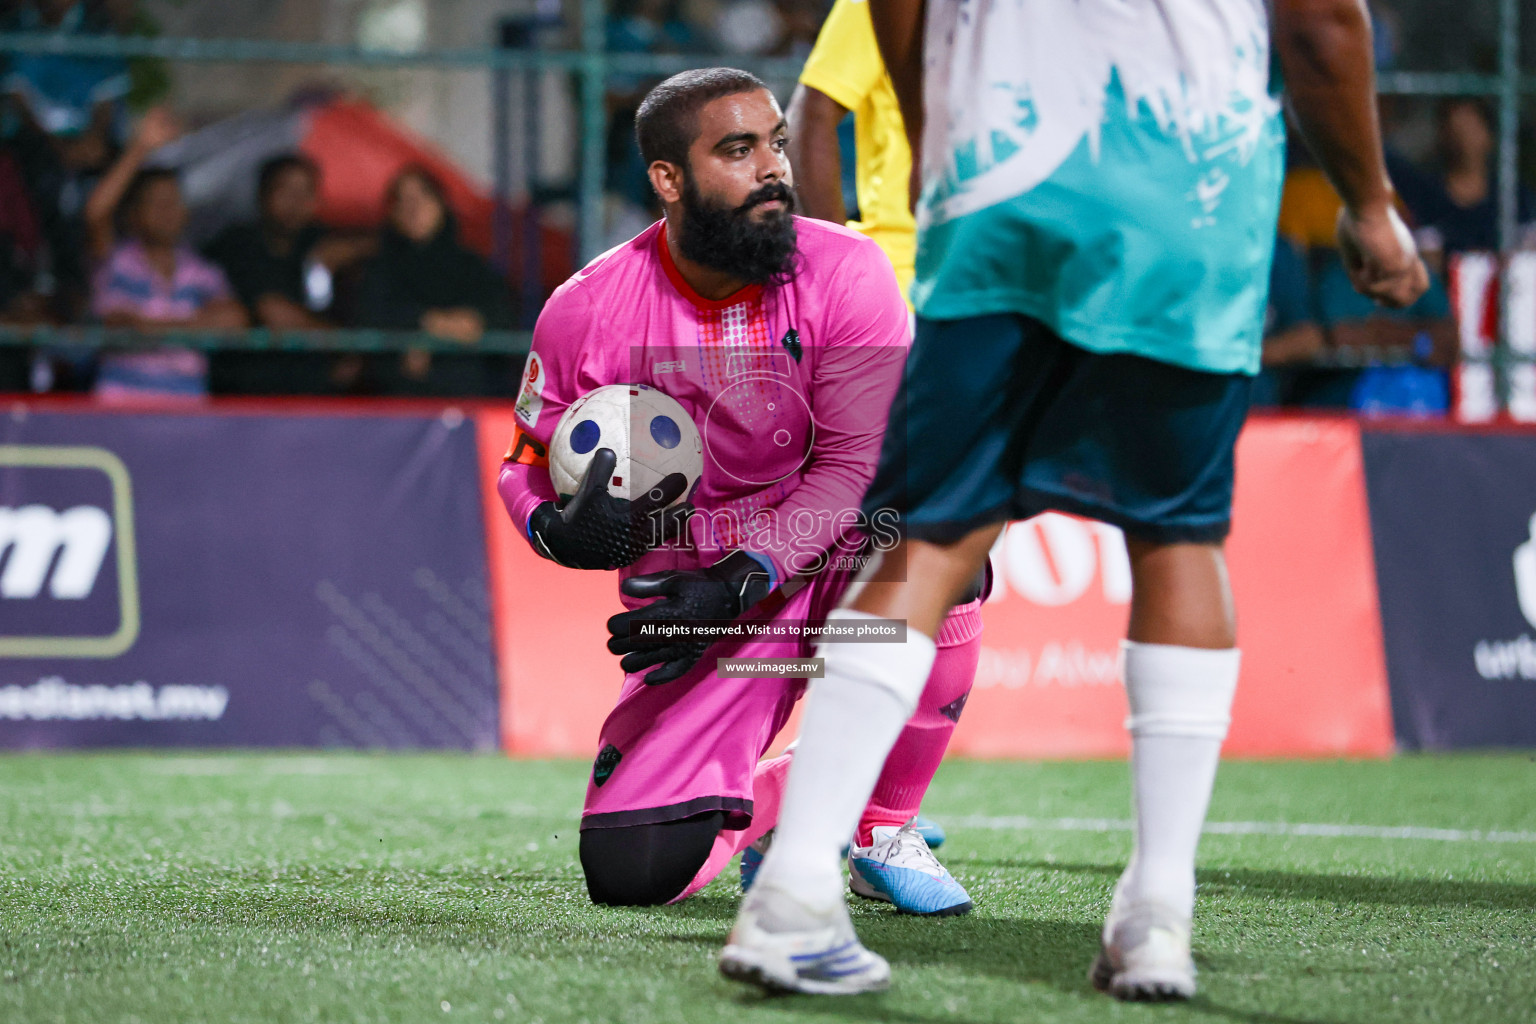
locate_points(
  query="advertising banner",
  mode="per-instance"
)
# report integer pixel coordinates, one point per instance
(1454, 518)
(558, 681)
(237, 578)
(1313, 680)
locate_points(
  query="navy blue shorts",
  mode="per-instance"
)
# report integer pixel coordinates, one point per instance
(999, 419)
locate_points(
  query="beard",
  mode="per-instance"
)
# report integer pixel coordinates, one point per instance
(730, 240)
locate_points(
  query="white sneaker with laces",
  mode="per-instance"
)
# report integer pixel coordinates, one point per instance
(781, 945)
(899, 868)
(1144, 953)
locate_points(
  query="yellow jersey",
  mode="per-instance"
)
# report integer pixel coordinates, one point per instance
(845, 65)
(1309, 209)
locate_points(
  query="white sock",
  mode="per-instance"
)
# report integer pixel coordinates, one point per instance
(1181, 702)
(852, 719)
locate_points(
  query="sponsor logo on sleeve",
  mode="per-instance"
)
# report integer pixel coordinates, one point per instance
(530, 400)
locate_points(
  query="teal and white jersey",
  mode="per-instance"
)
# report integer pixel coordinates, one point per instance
(1109, 167)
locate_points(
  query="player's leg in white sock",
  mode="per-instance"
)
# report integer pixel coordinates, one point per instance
(853, 716)
(1180, 669)
(1181, 700)
(793, 930)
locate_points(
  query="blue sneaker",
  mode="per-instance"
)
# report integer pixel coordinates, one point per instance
(931, 831)
(899, 868)
(752, 859)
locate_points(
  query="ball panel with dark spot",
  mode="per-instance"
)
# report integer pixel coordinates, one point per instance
(585, 436)
(665, 431)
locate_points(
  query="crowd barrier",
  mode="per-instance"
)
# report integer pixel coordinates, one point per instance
(303, 574)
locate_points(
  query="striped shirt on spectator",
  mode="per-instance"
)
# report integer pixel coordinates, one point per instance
(128, 283)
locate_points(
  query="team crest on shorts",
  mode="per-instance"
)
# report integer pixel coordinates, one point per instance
(607, 760)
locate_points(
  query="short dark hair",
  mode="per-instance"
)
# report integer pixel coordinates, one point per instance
(271, 170)
(668, 119)
(141, 181)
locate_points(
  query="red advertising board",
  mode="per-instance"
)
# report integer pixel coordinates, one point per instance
(557, 679)
(1047, 684)
(1313, 680)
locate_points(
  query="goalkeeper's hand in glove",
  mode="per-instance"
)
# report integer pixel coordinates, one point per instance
(722, 592)
(595, 530)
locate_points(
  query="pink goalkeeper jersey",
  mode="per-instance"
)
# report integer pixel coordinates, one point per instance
(790, 385)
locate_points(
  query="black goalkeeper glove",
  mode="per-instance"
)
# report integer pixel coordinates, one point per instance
(595, 530)
(721, 592)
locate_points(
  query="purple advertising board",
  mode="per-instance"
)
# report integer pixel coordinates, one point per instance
(1453, 519)
(240, 578)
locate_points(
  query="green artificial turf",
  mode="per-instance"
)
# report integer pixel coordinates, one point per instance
(233, 888)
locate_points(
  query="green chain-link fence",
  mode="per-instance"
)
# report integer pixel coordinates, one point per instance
(593, 66)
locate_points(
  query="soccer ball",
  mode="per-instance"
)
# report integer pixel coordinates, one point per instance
(650, 433)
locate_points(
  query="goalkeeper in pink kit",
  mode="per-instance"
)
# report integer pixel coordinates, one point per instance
(785, 339)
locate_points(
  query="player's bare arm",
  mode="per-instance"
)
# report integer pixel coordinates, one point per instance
(815, 155)
(1324, 48)
(899, 31)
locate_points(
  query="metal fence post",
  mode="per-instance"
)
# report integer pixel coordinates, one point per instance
(1506, 181)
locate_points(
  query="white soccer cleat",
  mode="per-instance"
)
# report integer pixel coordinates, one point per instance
(780, 945)
(1144, 953)
(899, 868)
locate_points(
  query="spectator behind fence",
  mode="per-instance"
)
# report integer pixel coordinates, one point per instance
(151, 279)
(1319, 334)
(72, 100)
(1413, 345)
(1456, 209)
(423, 279)
(282, 267)
(20, 305)
(20, 241)
(63, 117)
(638, 26)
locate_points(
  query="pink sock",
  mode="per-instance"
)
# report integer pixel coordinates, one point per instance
(913, 761)
(767, 791)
